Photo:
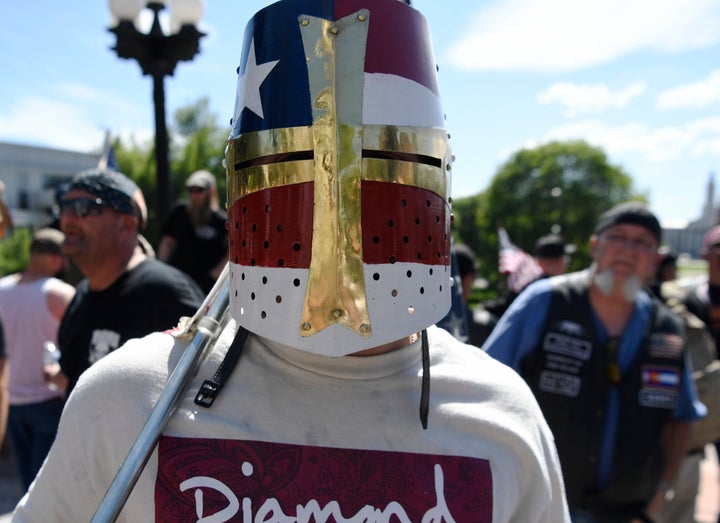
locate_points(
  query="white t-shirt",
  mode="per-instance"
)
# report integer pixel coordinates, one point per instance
(293, 434)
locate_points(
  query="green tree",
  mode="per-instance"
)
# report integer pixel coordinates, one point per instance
(560, 186)
(15, 251)
(197, 142)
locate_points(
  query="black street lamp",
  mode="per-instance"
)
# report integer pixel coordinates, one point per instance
(158, 54)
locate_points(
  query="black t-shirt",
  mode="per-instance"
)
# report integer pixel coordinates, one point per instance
(150, 297)
(198, 248)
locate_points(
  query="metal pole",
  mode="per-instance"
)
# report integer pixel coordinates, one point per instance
(164, 186)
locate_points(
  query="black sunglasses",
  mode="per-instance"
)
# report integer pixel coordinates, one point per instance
(196, 189)
(83, 207)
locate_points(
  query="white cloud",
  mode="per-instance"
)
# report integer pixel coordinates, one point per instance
(696, 95)
(565, 35)
(51, 123)
(694, 138)
(587, 99)
(74, 118)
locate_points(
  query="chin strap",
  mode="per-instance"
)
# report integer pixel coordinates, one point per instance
(425, 386)
(211, 388)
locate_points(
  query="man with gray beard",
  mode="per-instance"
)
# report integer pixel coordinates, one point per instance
(606, 362)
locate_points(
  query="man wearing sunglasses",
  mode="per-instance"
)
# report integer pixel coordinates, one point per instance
(606, 362)
(125, 293)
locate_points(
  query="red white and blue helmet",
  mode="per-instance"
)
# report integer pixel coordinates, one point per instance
(338, 177)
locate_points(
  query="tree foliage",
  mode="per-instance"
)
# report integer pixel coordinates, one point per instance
(15, 251)
(557, 187)
(197, 142)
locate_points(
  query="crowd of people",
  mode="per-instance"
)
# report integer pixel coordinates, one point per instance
(330, 394)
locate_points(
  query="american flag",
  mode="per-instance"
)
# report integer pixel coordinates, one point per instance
(107, 157)
(520, 267)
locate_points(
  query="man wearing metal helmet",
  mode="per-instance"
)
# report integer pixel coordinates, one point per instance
(338, 176)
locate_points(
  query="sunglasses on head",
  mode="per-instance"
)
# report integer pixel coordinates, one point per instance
(82, 207)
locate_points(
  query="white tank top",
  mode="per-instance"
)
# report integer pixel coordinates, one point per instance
(27, 325)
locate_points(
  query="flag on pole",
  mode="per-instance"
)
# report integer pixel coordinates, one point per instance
(520, 267)
(107, 157)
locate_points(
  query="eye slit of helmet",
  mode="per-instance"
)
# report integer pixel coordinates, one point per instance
(403, 157)
(275, 158)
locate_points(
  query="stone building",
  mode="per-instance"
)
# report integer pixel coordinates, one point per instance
(689, 239)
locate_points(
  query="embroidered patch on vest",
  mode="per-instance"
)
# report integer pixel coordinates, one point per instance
(559, 383)
(663, 345)
(568, 345)
(659, 386)
(231, 480)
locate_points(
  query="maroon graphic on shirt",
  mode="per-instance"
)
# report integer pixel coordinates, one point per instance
(217, 481)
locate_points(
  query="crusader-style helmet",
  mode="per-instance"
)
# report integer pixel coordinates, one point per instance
(338, 177)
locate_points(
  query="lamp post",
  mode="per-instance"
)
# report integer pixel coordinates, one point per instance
(158, 54)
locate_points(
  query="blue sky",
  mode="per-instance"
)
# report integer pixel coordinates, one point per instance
(639, 78)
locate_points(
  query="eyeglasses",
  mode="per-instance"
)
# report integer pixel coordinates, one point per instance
(640, 244)
(83, 207)
(194, 190)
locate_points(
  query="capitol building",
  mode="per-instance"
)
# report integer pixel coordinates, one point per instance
(689, 239)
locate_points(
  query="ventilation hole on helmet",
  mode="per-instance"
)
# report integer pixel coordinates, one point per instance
(392, 259)
(237, 225)
(236, 293)
(422, 290)
(280, 262)
(440, 288)
(431, 271)
(403, 202)
(244, 244)
(429, 239)
(419, 256)
(264, 280)
(263, 315)
(296, 282)
(376, 276)
(279, 228)
(278, 299)
(406, 239)
(244, 209)
(408, 274)
(296, 246)
(252, 296)
(427, 203)
(237, 259)
(254, 227)
(252, 262)
(242, 276)
(437, 219)
(417, 221)
(391, 223)
(267, 209)
(394, 293)
(266, 244)
(376, 239)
